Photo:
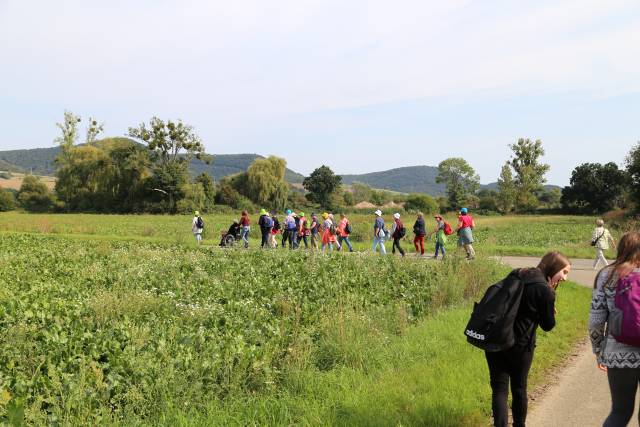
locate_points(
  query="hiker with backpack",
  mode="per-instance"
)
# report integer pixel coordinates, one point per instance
(303, 230)
(197, 227)
(600, 239)
(290, 230)
(274, 231)
(504, 324)
(379, 233)
(441, 231)
(613, 327)
(245, 223)
(344, 230)
(329, 233)
(266, 225)
(465, 233)
(315, 229)
(397, 233)
(419, 231)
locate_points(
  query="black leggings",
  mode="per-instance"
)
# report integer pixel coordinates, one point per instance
(623, 383)
(396, 244)
(514, 365)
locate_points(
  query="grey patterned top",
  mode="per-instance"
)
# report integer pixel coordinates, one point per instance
(609, 352)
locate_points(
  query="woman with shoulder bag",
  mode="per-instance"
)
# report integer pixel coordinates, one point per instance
(600, 239)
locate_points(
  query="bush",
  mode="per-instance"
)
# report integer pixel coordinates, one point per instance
(420, 203)
(34, 196)
(7, 201)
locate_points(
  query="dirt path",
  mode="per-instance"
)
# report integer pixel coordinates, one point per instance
(579, 394)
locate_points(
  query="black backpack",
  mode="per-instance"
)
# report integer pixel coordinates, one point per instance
(347, 228)
(199, 222)
(491, 325)
(402, 232)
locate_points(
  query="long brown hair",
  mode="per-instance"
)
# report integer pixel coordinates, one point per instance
(551, 263)
(627, 258)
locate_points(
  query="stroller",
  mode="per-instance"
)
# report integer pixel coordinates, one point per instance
(233, 235)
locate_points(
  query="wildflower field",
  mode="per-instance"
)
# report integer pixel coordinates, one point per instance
(106, 322)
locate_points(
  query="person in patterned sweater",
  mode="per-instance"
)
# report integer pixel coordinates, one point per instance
(620, 361)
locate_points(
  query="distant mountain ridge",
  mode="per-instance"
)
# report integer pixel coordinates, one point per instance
(41, 161)
(409, 179)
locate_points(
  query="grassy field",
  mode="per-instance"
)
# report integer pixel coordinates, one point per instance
(495, 235)
(113, 329)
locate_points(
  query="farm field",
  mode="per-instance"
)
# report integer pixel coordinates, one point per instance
(131, 332)
(495, 235)
(16, 179)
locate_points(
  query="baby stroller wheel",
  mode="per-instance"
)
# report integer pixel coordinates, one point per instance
(229, 240)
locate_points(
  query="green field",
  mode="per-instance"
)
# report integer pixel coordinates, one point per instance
(122, 320)
(495, 235)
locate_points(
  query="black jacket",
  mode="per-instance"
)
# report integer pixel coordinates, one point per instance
(537, 308)
(419, 228)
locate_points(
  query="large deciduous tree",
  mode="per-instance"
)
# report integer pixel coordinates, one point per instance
(594, 188)
(172, 146)
(266, 185)
(529, 172)
(460, 179)
(506, 197)
(632, 163)
(34, 196)
(321, 185)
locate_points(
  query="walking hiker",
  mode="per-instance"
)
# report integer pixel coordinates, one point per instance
(344, 230)
(245, 224)
(266, 225)
(600, 239)
(314, 228)
(379, 233)
(613, 327)
(303, 230)
(328, 233)
(536, 308)
(197, 227)
(274, 231)
(419, 230)
(289, 233)
(441, 236)
(465, 233)
(397, 232)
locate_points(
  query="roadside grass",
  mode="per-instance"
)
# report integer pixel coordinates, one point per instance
(428, 375)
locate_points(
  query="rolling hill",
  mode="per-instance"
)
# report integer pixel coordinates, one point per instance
(410, 179)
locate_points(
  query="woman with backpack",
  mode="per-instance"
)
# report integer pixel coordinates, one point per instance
(536, 308)
(600, 239)
(266, 225)
(613, 327)
(329, 233)
(379, 233)
(344, 230)
(245, 224)
(197, 227)
(419, 230)
(303, 230)
(465, 233)
(397, 232)
(441, 236)
(274, 231)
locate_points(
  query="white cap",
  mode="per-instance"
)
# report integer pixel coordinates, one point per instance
(396, 215)
(378, 212)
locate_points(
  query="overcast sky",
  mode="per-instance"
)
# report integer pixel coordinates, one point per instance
(360, 86)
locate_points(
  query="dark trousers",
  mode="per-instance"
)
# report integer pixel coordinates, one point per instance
(305, 240)
(623, 383)
(396, 244)
(514, 365)
(289, 235)
(265, 237)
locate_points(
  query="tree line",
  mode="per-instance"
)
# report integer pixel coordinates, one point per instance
(148, 171)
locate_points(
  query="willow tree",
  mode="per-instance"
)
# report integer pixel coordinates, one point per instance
(265, 182)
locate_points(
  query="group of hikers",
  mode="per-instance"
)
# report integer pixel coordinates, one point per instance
(329, 232)
(614, 326)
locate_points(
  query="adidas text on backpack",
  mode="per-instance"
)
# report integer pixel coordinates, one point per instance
(624, 320)
(491, 325)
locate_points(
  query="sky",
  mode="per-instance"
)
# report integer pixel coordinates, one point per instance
(360, 86)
